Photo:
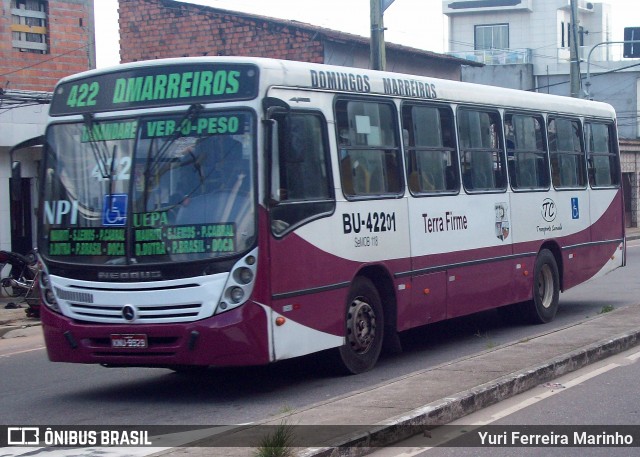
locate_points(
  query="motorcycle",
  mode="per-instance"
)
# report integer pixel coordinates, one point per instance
(22, 280)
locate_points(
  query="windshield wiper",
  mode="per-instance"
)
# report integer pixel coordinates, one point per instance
(100, 156)
(191, 114)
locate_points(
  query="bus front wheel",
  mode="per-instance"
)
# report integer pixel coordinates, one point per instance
(546, 289)
(364, 325)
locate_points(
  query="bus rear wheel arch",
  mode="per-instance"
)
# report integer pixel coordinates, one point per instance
(364, 328)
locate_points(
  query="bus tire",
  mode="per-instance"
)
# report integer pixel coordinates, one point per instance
(546, 289)
(364, 327)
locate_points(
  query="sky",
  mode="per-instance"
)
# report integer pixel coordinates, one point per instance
(415, 23)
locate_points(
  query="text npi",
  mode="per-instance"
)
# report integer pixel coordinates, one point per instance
(55, 210)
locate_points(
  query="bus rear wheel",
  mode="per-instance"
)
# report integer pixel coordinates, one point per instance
(546, 289)
(364, 325)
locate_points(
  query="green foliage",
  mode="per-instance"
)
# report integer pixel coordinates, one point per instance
(606, 309)
(277, 444)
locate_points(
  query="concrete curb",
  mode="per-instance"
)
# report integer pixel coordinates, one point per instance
(467, 402)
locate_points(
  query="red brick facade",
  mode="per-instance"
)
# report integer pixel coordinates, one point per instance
(154, 29)
(69, 31)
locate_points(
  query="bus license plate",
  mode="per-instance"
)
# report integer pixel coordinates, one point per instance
(138, 341)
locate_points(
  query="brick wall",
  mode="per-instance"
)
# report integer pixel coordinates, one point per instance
(154, 29)
(70, 49)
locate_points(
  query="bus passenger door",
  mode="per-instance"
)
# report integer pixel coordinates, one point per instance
(300, 200)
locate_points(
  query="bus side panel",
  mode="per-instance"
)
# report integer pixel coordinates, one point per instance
(430, 241)
(607, 215)
(457, 239)
(560, 217)
(306, 280)
(293, 339)
(585, 261)
(325, 255)
(428, 301)
(482, 285)
(311, 286)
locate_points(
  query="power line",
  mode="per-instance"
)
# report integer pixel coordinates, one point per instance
(44, 60)
(615, 70)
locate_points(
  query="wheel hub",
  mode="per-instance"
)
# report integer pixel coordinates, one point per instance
(361, 326)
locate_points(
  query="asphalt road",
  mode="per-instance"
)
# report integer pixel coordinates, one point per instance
(601, 395)
(36, 391)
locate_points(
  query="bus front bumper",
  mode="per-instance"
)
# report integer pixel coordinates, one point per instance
(235, 338)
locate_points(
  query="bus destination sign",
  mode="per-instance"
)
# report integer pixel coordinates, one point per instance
(215, 239)
(155, 86)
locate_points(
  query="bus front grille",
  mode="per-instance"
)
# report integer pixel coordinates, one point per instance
(135, 314)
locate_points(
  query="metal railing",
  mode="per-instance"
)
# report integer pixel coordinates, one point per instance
(496, 56)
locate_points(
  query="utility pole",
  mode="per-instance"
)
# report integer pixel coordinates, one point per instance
(574, 51)
(378, 57)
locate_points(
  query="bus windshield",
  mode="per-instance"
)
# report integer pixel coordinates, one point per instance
(151, 189)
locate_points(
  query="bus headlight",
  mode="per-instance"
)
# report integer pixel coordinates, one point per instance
(240, 282)
(236, 294)
(243, 275)
(48, 297)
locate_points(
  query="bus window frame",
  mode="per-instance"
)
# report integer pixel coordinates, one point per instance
(500, 150)
(275, 204)
(454, 151)
(554, 116)
(398, 147)
(612, 128)
(542, 117)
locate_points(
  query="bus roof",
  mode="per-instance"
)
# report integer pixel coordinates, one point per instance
(349, 80)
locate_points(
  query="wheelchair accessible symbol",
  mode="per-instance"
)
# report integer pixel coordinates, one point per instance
(575, 209)
(114, 210)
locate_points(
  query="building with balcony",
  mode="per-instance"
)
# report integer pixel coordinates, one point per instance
(525, 44)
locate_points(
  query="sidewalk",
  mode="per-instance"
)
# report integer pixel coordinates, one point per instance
(397, 409)
(14, 322)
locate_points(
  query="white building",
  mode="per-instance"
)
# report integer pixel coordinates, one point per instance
(536, 32)
(525, 44)
(23, 116)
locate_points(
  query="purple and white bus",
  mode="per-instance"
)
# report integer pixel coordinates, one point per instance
(240, 211)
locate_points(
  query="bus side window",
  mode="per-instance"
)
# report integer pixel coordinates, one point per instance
(526, 151)
(481, 154)
(430, 148)
(368, 149)
(567, 153)
(300, 178)
(602, 154)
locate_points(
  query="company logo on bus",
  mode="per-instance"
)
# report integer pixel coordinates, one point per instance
(129, 275)
(548, 210)
(129, 313)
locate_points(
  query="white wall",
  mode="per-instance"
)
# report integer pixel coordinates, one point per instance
(16, 125)
(538, 29)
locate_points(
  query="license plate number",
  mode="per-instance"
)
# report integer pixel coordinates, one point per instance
(138, 341)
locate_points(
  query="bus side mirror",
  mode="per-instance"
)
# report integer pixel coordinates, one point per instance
(272, 142)
(276, 112)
